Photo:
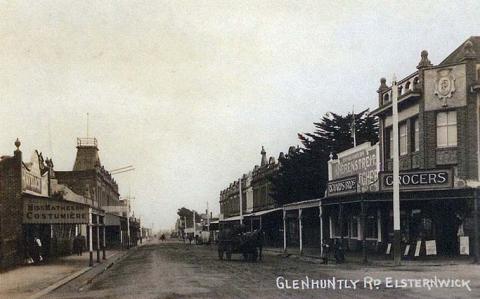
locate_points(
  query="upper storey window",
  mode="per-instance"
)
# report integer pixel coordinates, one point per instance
(403, 134)
(416, 136)
(447, 129)
(386, 98)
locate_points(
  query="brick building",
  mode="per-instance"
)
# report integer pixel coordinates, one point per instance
(90, 177)
(11, 209)
(34, 205)
(258, 207)
(439, 146)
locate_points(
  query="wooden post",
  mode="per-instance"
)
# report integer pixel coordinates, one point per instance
(104, 241)
(300, 231)
(321, 226)
(340, 219)
(475, 226)
(90, 238)
(363, 224)
(284, 231)
(98, 238)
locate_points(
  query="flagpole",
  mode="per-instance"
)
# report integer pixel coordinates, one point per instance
(396, 174)
(354, 133)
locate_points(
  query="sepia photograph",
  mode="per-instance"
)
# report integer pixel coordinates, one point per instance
(239, 149)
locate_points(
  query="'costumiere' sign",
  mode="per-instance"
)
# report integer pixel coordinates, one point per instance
(360, 162)
(47, 211)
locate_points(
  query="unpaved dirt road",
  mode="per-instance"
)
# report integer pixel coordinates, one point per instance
(177, 270)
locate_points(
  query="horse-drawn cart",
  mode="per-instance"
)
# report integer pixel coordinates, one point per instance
(235, 241)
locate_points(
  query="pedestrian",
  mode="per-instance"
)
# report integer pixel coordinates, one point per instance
(37, 243)
(339, 253)
(81, 244)
(326, 251)
(76, 249)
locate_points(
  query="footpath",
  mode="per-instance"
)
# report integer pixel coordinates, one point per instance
(373, 260)
(37, 280)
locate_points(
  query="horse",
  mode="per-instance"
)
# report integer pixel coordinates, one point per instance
(252, 245)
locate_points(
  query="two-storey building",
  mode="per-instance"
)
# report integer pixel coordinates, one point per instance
(439, 149)
(258, 207)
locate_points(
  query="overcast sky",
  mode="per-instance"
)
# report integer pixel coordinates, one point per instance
(189, 91)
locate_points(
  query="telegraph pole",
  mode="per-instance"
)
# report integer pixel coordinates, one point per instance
(396, 180)
(194, 228)
(240, 199)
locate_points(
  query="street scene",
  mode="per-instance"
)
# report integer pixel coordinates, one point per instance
(196, 272)
(253, 149)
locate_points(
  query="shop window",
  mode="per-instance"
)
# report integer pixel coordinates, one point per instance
(403, 135)
(447, 129)
(336, 227)
(389, 143)
(354, 228)
(371, 227)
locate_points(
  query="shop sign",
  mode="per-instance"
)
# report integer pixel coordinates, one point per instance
(47, 211)
(417, 248)
(362, 162)
(431, 247)
(419, 180)
(464, 245)
(342, 186)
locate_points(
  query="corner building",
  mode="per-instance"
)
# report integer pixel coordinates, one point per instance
(439, 147)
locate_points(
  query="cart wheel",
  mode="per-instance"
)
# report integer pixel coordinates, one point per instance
(220, 254)
(254, 255)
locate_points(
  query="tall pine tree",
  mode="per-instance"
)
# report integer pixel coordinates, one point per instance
(303, 173)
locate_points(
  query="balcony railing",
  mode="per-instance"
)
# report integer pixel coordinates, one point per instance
(87, 142)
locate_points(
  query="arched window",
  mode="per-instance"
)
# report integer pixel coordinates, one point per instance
(407, 86)
(386, 98)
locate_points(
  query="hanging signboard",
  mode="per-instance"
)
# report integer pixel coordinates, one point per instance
(360, 162)
(431, 247)
(342, 186)
(419, 180)
(417, 248)
(464, 245)
(48, 211)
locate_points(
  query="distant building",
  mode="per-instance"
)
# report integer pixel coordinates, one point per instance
(89, 177)
(259, 210)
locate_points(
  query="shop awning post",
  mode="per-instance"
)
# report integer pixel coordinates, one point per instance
(476, 254)
(90, 238)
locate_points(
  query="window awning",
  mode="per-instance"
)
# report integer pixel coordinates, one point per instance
(260, 213)
(311, 203)
(112, 220)
(234, 218)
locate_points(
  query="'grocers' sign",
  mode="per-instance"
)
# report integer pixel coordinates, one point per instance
(342, 186)
(361, 162)
(419, 180)
(47, 211)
